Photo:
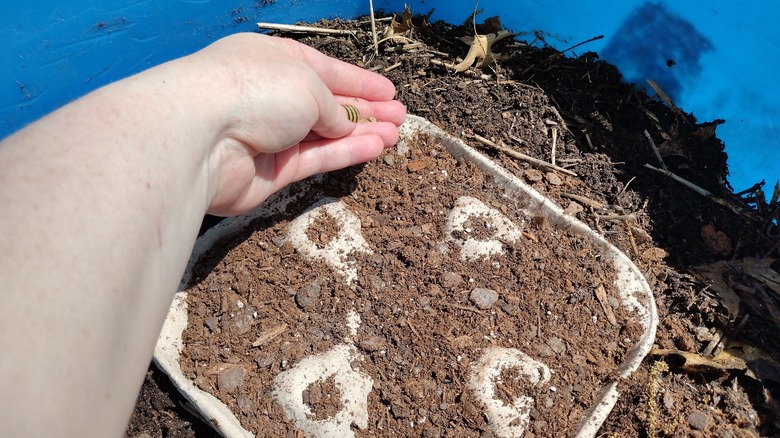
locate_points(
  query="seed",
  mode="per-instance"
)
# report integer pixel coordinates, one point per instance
(352, 113)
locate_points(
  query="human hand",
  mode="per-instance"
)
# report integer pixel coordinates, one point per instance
(121, 178)
(285, 122)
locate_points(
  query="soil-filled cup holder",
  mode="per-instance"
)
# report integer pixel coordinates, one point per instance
(457, 298)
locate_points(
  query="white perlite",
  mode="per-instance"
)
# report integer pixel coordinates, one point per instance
(354, 387)
(472, 209)
(506, 421)
(338, 252)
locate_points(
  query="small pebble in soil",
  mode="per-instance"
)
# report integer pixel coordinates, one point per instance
(698, 420)
(573, 209)
(307, 297)
(244, 403)
(399, 409)
(532, 175)
(553, 179)
(371, 343)
(450, 280)
(668, 400)
(557, 345)
(416, 165)
(212, 322)
(278, 241)
(230, 379)
(483, 298)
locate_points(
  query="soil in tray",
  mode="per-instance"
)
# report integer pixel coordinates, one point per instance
(426, 314)
(658, 223)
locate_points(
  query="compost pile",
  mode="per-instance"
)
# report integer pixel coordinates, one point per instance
(709, 259)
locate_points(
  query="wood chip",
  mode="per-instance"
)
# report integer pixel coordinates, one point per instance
(601, 295)
(416, 165)
(269, 334)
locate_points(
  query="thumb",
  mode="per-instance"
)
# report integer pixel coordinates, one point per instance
(334, 120)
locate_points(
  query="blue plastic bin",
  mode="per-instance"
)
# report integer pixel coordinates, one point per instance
(717, 59)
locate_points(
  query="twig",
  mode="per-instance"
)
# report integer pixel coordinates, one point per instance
(383, 19)
(665, 97)
(521, 156)
(589, 40)
(411, 327)
(557, 54)
(560, 118)
(393, 67)
(269, 334)
(713, 344)
(583, 200)
(596, 221)
(626, 186)
(555, 140)
(655, 149)
(373, 27)
(474, 23)
(587, 137)
(601, 296)
(753, 189)
(509, 395)
(722, 202)
(306, 29)
(397, 39)
(617, 217)
(632, 240)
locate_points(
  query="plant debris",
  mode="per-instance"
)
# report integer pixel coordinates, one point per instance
(481, 50)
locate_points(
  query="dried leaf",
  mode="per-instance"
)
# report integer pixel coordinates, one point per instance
(404, 27)
(717, 241)
(481, 50)
(761, 270)
(491, 25)
(716, 274)
(713, 276)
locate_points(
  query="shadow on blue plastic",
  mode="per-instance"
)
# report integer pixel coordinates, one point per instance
(657, 44)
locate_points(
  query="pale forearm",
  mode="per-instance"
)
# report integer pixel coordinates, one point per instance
(98, 221)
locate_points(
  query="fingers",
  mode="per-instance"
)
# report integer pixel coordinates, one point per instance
(388, 132)
(331, 127)
(342, 78)
(272, 172)
(391, 111)
(325, 155)
(370, 92)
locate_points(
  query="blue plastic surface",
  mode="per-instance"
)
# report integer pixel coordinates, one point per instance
(726, 54)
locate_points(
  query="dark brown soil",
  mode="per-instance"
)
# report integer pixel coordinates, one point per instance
(420, 327)
(423, 323)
